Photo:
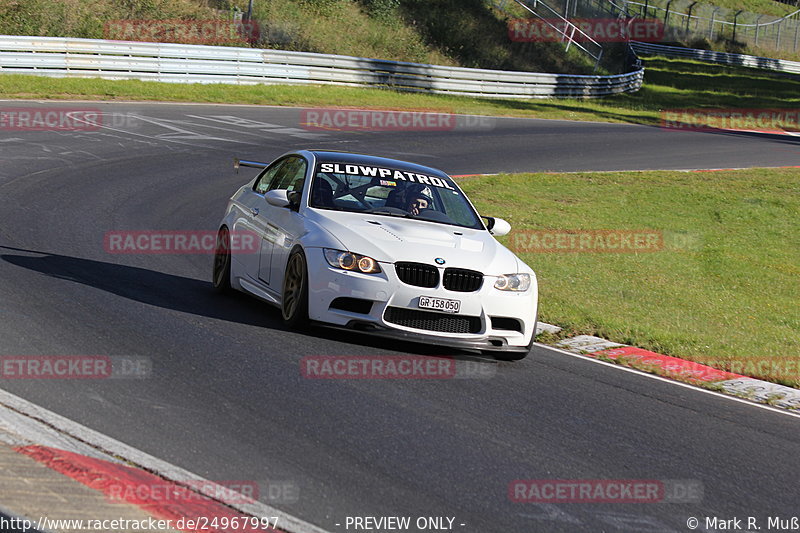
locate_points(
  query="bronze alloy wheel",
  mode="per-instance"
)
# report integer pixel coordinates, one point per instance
(294, 306)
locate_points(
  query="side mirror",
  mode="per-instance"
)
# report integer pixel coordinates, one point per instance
(277, 197)
(497, 226)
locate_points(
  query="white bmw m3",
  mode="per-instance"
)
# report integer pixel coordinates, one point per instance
(378, 245)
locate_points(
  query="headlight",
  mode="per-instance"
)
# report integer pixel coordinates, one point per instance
(351, 261)
(513, 282)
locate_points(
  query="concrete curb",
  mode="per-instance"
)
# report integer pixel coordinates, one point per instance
(680, 369)
(110, 467)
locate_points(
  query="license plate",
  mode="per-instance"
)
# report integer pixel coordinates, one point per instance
(439, 304)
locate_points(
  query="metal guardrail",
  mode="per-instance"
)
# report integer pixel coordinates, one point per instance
(178, 63)
(725, 58)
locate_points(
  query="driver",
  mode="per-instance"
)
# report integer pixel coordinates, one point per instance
(417, 202)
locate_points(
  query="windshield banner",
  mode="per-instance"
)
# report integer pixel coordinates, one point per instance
(378, 172)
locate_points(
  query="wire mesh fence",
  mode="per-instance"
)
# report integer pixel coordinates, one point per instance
(687, 19)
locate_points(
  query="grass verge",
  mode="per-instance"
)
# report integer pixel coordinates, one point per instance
(724, 288)
(669, 84)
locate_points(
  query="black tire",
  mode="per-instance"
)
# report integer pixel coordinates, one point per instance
(221, 277)
(294, 303)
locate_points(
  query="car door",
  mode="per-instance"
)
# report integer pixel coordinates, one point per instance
(281, 225)
(252, 205)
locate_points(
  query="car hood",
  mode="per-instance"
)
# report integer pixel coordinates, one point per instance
(389, 239)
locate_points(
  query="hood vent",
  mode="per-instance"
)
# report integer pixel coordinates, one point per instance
(391, 233)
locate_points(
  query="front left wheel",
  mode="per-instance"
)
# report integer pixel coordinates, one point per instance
(294, 305)
(221, 278)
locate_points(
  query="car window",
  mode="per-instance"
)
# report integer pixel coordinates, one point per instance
(291, 175)
(288, 173)
(454, 205)
(263, 181)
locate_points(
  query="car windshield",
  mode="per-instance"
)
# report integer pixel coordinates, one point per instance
(391, 192)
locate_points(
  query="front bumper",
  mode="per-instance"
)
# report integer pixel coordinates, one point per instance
(487, 310)
(493, 343)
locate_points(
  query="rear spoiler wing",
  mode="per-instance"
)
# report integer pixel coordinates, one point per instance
(245, 163)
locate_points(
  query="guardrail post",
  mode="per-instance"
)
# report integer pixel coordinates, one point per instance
(666, 14)
(796, 27)
(778, 37)
(646, 6)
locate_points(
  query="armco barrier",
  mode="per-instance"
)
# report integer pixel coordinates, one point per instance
(178, 63)
(724, 58)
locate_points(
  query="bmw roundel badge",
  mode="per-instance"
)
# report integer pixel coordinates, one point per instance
(439, 261)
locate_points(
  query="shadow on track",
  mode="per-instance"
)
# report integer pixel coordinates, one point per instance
(143, 285)
(194, 296)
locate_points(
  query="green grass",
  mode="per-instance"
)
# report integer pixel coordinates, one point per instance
(724, 289)
(725, 43)
(669, 84)
(341, 27)
(86, 18)
(676, 83)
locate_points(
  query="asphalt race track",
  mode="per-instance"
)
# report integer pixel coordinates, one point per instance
(226, 398)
